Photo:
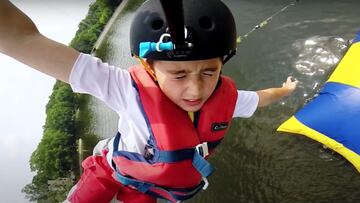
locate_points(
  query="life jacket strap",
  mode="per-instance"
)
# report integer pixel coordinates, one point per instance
(196, 154)
(202, 165)
(170, 194)
(183, 154)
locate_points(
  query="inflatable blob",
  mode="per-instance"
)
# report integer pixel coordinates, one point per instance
(333, 117)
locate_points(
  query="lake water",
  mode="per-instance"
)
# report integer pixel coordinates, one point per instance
(255, 163)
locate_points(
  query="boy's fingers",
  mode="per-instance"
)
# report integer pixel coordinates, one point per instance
(289, 79)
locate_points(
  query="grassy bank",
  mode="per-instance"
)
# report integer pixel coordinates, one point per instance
(132, 5)
(84, 118)
(104, 48)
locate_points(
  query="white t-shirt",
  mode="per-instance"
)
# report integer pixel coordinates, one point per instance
(114, 87)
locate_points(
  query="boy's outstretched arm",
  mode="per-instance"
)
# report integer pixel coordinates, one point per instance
(268, 96)
(21, 40)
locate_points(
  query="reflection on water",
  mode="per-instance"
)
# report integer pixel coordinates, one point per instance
(255, 163)
(317, 57)
(318, 54)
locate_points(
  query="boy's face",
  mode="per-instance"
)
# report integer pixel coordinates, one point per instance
(188, 83)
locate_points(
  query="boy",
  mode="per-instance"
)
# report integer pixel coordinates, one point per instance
(174, 108)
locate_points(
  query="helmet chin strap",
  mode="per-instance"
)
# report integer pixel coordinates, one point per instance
(147, 67)
(228, 57)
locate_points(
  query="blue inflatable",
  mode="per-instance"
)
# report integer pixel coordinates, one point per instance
(333, 117)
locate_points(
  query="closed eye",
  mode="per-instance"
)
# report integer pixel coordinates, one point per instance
(179, 76)
(209, 73)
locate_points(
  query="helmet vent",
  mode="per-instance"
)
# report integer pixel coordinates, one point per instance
(206, 23)
(157, 24)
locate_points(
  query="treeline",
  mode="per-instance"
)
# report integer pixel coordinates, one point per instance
(55, 160)
(90, 28)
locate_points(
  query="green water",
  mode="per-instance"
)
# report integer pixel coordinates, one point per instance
(255, 163)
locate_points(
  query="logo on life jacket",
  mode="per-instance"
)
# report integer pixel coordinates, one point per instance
(219, 126)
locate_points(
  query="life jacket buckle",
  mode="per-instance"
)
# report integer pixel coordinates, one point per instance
(202, 149)
(206, 183)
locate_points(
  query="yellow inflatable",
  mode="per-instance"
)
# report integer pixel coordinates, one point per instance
(333, 117)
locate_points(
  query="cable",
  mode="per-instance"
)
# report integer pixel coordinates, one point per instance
(265, 22)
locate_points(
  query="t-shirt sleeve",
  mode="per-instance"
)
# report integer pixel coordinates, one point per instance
(108, 83)
(246, 104)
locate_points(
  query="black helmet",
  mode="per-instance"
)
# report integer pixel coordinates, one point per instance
(209, 31)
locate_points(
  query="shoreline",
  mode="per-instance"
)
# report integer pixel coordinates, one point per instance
(108, 25)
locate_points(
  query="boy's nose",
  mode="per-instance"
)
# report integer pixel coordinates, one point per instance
(195, 87)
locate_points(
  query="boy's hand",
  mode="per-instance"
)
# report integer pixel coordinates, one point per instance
(290, 85)
(270, 95)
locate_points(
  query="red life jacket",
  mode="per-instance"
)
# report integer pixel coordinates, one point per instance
(173, 134)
